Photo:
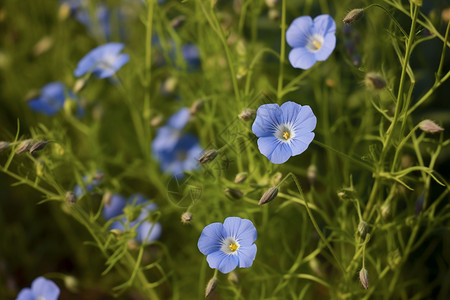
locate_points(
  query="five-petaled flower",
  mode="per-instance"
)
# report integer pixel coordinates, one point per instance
(312, 40)
(283, 131)
(41, 288)
(103, 61)
(229, 245)
(50, 100)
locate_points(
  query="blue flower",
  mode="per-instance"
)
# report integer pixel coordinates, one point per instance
(104, 61)
(90, 184)
(51, 99)
(191, 55)
(167, 136)
(229, 245)
(312, 40)
(283, 131)
(41, 288)
(114, 206)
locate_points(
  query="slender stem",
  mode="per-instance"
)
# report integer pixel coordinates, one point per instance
(282, 50)
(148, 58)
(444, 48)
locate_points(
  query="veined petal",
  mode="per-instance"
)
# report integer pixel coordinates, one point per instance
(267, 145)
(246, 256)
(215, 258)
(120, 61)
(148, 232)
(242, 230)
(267, 119)
(328, 46)
(306, 120)
(290, 111)
(324, 24)
(211, 238)
(281, 153)
(299, 144)
(228, 263)
(299, 31)
(45, 288)
(301, 58)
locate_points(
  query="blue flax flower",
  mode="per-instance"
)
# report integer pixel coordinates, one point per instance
(167, 136)
(283, 131)
(41, 288)
(90, 183)
(312, 40)
(229, 245)
(50, 100)
(114, 206)
(103, 61)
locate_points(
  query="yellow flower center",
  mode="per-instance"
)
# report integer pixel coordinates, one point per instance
(317, 44)
(233, 247)
(286, 135)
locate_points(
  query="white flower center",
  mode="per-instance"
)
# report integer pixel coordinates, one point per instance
(40, 298)
(315, 42)
(229, 246)
(284, 132)
(108, 62)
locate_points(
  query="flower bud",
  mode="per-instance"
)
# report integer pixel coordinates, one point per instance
(271, 3)
(38, 146)
(364, 278)
(247, 114)
(169, 86)
(107, 198)
(363, 228)
(374, 81)
(24, 146)
(241, 177)
(211, 286)
(3, 145)
(79, 85)
(353, 16)
(177, 21)
(70, 198)
(311, 174)
(269, 195)
(197, 106)
(186, 217)
(430, 127)
(42, 46)
(117, 232)
(385, 210)
(64, 11)
(157, 121)
(274, 14)
(132, 244)
(445, 15)
(234, 193)
(71, 283)
(207, 157)
(276, 178)
(233, 277)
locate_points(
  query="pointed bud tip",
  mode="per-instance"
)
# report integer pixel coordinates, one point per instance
(269, 195)
(430, 126)
(353, 16)
(364, 278)
(207, 157)
(211, 286)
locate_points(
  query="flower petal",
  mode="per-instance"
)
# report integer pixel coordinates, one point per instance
(301, 58)
(281, 153)
(26, 294)
(114, 207)
(267, 145)
(246, 256)
(148, 232)
(211, 238)
(290, 111)
(179, 119)
(299, 31)
(267, 119)
(324, 24)
(328, 46)
(247, 233)
(223, 262)
(45, 288)
(299, 144)
(306, 120)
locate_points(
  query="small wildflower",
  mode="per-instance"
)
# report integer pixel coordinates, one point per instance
(284, 131)
(233, 193)
(41, 288)
(311, 40)
(211, 286)
(353, 16)
(241, 177)
(430, 127)
(269, 195)
(207, 157)
(50, 99)
(374, 81)
(103, 61)
(364, 278)
(70, 198)
(247, 114)
(24, 146)
(3, 145)
(113, 205)
(38, 146)
(229, 245)
(186, 217)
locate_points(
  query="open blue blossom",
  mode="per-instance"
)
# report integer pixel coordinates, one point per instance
(104, 61)
(229, 245)
(283, 131)
(114, 206)
(50, 100)
(90, 184)
(167, 136)
(41, 288)
(312, 40)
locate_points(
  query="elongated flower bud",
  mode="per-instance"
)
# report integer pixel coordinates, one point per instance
(70, 198)
(186, 218)
(207, 157)
(234, 193)
(269, 195)
(24, 146)
(211, 286)
(197, 106)
(247, 114)
(430, 127)
(241, 177)
(3, 145)
(363, 228)
(233, 277)
(38, 146)
(364, 278)
(353, 15)
(374, 81)
(311, 174)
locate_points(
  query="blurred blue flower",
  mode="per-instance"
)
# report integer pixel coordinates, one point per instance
(283, 131)
(90, 183)
(312, 40)
(183, 157)
(103, 61)
(167, 136)
(51, 99)
(191, 55)
(114, 206)
(41, 288)
(146, 231)
(229, 245)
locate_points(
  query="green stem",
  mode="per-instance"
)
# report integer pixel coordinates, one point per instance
(444, 48)
(282, 51)
(148, 59)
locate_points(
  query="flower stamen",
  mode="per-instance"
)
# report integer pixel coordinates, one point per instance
(286, 135)
(233, 247)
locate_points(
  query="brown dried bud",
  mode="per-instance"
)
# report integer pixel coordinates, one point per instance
(197, 106)
(430, 127)
(3, 145)
(38, 146)
(70, 198)
(353, 16)
(374, 81)
(247, 114)
(186, 218)
(211, 286)
(269, 195)
(241, 177)
(24, 146)
(207, 157)
(364, 278)
(234, 193)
